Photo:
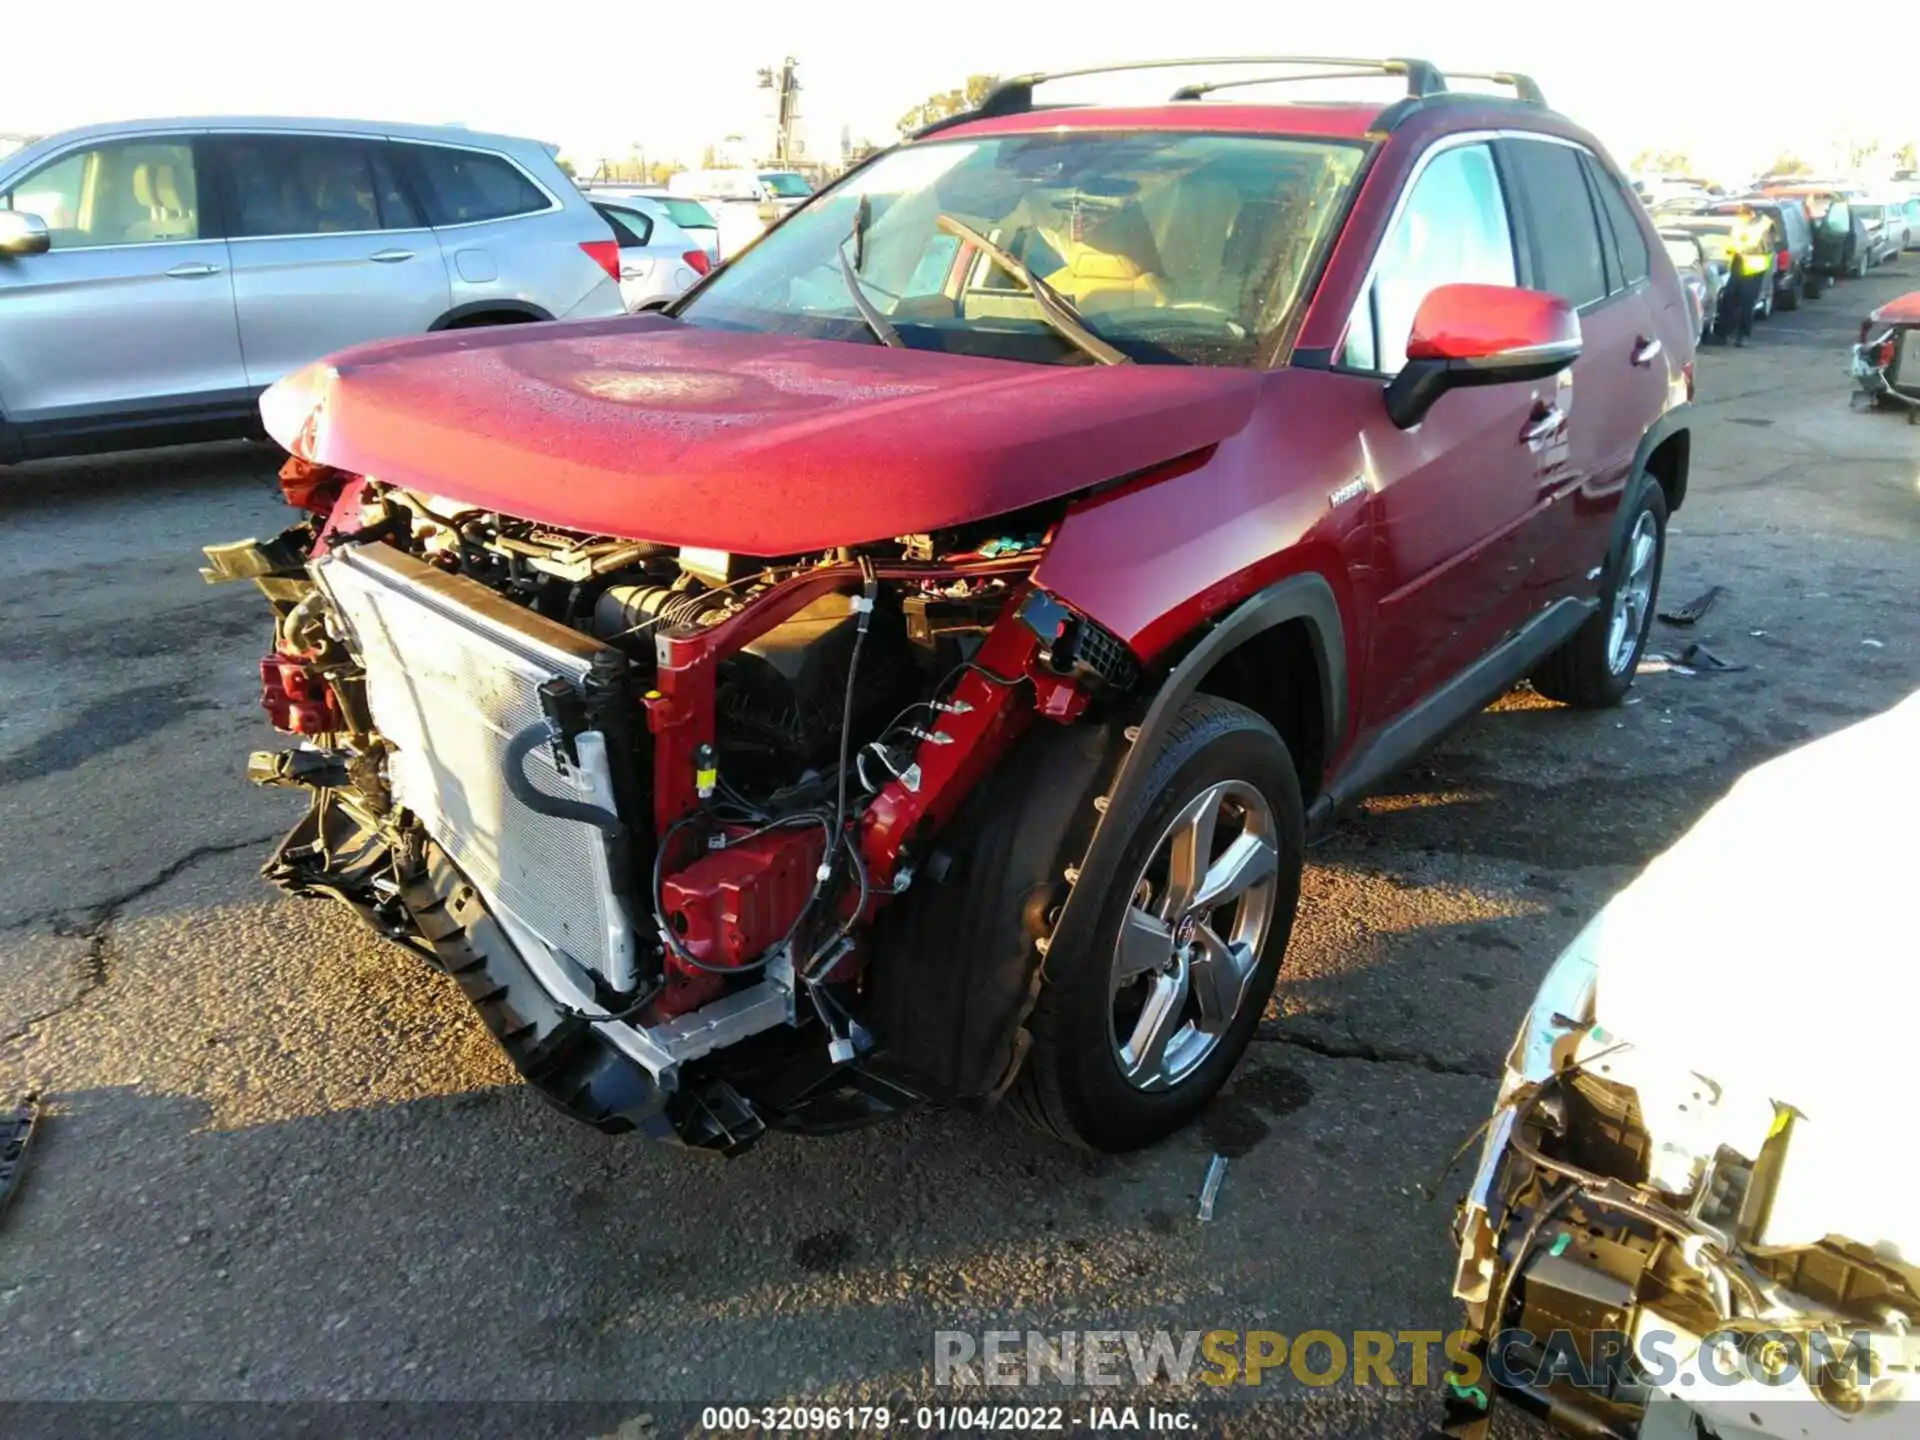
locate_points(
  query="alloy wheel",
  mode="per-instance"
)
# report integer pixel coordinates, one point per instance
(1191, 938)
(1633, 596)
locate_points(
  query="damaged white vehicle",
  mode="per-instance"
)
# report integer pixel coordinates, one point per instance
(1696, 1211)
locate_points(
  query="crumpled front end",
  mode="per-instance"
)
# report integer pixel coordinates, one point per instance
(1644, 1247)
(646, 802)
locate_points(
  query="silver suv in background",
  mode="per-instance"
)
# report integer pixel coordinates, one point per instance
(155, 276)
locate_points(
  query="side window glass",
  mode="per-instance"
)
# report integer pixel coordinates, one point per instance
(1560, 219)
(301, 185)
(131, 192)
(462, 186)
(630, 228)
(1452, 231)
(397, 210)
(1630, 241)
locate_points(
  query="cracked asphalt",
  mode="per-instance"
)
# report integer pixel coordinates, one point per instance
(281, 1160)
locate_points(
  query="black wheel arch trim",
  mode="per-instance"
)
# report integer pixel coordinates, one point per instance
(1305, 597)
(526, 310)
(1678, 420)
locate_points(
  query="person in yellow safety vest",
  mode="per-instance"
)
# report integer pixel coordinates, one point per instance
(1749, 262)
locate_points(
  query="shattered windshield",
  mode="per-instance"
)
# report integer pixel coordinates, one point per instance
(1171, 248)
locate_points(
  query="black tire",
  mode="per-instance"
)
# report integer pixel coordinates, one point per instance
(1579, 673)
(1071, 1086)
(1816, 285)
(1789, 299)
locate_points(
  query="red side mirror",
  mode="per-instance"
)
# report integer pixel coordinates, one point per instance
(1482, 322)
(1481, 335)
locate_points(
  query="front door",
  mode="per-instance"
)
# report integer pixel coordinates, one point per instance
(328, 248)
(1454, 494)
(131, 310)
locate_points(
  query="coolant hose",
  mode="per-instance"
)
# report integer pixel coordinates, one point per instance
(523, 789)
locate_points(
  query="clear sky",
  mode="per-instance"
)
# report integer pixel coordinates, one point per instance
(596, 77)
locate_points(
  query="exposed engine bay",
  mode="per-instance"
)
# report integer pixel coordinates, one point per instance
(646, 802)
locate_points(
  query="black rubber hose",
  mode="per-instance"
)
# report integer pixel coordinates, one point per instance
(523, 790)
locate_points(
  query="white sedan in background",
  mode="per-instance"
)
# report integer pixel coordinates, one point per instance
(658, 260)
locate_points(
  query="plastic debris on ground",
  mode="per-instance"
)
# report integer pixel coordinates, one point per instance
(1210, 1187)
(16, 1129)
(1876, 644)
(1695, 609)
(1695, 659)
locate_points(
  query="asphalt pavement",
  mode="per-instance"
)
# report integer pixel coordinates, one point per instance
(281, 1160)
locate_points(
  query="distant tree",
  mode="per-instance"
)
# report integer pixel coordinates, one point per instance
(942, 103)
(1861, 153)
(1789, 163)
(566, 167)
(1663, 162)
(662, 171)
(1907, 157)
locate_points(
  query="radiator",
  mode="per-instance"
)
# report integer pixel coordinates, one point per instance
(452, 674)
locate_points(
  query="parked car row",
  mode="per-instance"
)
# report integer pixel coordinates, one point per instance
(156, 276)
(1818, 234)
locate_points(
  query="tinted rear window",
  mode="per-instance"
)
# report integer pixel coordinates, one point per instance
(630, 227)
(459, 186)
(312, 185)
(1560, 220)
(1630, 241)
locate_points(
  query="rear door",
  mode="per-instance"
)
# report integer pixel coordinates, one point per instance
(131, 310)
(329, 248)
(1453, 495)
(1617, 387)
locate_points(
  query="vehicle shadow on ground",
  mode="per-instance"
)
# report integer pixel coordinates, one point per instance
(179, 472)
(477, 1246)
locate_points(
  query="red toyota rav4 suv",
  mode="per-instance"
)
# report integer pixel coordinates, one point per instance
(910, 670)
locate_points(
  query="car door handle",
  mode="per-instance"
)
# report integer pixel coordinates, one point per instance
(193, 271)
(1543, 425)
(390, 257)
(1644, 350)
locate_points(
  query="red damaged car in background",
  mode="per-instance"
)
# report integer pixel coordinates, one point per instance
(910, 670)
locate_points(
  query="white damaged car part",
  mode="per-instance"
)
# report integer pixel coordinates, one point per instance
(1697, 1200)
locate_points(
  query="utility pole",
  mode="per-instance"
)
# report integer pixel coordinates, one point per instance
(785, 83)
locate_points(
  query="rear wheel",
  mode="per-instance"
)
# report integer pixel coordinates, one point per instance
(1595, 668)
(1138, 1028)
(1816, 285)
(1790, 297)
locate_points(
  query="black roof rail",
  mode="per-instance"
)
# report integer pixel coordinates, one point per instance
(1015, 96)
(1524, 86)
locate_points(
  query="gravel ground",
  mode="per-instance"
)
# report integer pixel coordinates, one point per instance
(282, 1162)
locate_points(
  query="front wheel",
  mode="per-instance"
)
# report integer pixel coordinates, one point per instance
(1139, 1027)
(1595, 668)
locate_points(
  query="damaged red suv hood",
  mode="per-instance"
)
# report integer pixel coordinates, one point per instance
(648, 429)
